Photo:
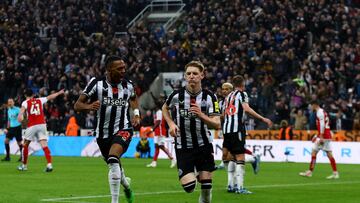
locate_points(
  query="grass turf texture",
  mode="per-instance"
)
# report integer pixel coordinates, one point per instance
(85, 180)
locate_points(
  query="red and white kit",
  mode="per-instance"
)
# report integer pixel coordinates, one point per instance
(36, 120)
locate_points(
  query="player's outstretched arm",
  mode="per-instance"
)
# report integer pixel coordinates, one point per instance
(54, 95)
(251, 111)
(173, 128)
(82, 105)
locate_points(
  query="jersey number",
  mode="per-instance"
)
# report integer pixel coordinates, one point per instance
(230, 110)
(35, 109)
(327, 122)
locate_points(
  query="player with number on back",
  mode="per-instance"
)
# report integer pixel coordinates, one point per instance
(36, 128)
(322, 142)
(236, 104)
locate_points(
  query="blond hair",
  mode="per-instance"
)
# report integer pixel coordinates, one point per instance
(196, 64)
(227, 84)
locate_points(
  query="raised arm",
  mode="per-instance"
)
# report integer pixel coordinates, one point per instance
(54, 95)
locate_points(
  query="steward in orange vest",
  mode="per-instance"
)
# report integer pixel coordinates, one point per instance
(285, 132)
(72, 127)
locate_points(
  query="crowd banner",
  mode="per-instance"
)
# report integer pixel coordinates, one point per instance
(269, 150)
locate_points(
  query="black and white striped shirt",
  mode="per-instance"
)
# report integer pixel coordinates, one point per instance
(193, 131)
(221, 106)
(234, 112)
(113, 114)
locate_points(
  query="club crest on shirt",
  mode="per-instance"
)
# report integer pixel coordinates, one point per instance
(203, 103)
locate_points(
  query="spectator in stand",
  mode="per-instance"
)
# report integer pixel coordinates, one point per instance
(300, 120)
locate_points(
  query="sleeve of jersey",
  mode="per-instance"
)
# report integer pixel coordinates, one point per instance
(132, 90)
(214, 109)
(90, 88)
(320, 115)
(244, 97)
(158, 115)
(43, 100)
(170, 100)
(24, 104)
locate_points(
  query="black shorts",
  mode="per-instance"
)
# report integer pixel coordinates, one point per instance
(235, 142)
(201, 158)
(122, 137)
(15, 132)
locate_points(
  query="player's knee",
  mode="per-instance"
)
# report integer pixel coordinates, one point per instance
(206, 184)
(189, 187)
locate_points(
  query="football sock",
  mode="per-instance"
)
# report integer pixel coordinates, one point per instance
(21, 149)
(248, 152)
(25, 154)
(333, 164)
(47, 154)
(205, 195)
(312, 163)
(231, 173)
(239, 173)
(189, 187)
(226, 164)
(124, 182)
(157, 150)
(7, 148)
(114, 178)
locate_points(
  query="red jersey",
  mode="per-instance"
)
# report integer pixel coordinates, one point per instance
(161, 129)
(34, 110)
(323, 123)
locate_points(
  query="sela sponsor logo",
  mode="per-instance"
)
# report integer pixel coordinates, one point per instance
(187, 114)
(108, 101)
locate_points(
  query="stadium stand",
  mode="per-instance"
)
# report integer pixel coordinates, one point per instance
(290, 52)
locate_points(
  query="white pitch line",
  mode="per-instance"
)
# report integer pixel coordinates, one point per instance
(68, 199)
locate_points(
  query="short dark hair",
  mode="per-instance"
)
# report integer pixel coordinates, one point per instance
(196, 64)
(110, 59)
(315, 101)
(29, 92)
(238, 80)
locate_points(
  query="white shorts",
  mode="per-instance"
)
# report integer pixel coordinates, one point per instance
(326, 146)
(36, 133)
(160, 140)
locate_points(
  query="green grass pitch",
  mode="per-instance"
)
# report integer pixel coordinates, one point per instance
(84, 180)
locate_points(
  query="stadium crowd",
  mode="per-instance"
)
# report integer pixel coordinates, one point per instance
(290, 52)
